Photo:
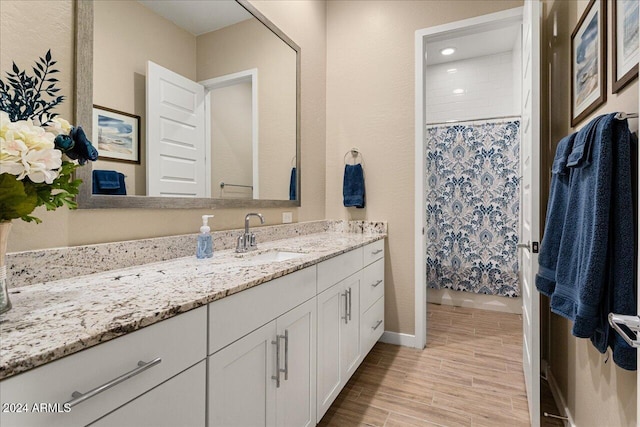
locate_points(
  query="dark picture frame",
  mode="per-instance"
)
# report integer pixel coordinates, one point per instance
(625, 27)
(589, 62)
(116, 134)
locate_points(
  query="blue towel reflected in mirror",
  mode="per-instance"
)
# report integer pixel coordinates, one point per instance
(109, 182)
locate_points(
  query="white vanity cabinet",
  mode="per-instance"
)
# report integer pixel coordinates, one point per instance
(338, 339)
(350, 316)
(372, 296)
(267, 377)
(164, 350)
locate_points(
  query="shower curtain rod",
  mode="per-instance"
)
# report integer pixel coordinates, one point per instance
(451, 122)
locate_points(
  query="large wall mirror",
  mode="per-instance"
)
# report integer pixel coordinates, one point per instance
(191, 104)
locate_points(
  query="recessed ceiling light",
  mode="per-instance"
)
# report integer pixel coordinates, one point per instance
(452, 70)
(447, 51)
(458, 91)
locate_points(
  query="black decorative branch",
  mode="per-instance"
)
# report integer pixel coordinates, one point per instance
(24, 96)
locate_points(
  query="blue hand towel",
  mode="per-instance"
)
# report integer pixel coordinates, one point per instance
(109, 182)
(353, 186)
(554, 224)
(292, 184)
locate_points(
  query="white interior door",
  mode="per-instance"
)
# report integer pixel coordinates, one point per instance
(176, 155)
(530, 196)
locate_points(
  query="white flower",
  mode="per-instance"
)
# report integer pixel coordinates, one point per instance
(58, 126)
(28, 150)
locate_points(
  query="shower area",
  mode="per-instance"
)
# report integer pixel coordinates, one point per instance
(472, 173)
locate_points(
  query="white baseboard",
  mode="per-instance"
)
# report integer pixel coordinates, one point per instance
(482, 302)
(398, 338)
(559, 399)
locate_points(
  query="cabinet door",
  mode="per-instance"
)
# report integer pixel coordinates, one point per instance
(295, 398)
(338, 339)
(177, 402)
(241, 389)
(350, 335)
(331, 309)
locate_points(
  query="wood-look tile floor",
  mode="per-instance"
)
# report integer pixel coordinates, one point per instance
(470, 374)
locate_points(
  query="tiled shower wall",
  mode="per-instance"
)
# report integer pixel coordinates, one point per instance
(490, 83)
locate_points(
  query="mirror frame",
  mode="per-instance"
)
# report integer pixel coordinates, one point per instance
(83, 111)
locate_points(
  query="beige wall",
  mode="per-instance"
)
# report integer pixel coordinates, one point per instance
(248, 45)
(596, 393)
(232, 152)
(370, 105)
(25, 36)
(122, 47)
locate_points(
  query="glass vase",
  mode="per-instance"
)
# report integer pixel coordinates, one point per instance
(5, 304)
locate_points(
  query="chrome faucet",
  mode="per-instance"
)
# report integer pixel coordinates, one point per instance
(247, 241)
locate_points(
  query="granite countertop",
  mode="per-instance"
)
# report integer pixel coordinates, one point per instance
(54, 319)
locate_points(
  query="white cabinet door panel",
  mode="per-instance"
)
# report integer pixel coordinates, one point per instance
(241, 390)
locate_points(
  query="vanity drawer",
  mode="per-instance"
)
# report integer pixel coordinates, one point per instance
(235, 316)
(373, 252)
(179, 343)
(177, 402)
(372, 326)
(372, 286)
(338, 268)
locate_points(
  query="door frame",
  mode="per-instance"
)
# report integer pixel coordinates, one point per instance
(244, 76)
(422, 38)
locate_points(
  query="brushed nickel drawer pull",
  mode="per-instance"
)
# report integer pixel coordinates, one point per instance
(81, 397)
(376, 252)
(377, 325)
(277, 375)
(376, 284)
(346, 306)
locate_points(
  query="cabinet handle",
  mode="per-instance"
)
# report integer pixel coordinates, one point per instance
(346, 307)
(377, 325)
(78, 397)
(349, 314)
(376, 252)
(286, 354)
(375, 285)
(277, 375)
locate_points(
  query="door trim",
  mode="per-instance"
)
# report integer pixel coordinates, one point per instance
(244, 76)
(421, 39)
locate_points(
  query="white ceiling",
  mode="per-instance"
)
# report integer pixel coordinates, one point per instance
(197, 16)
(472, 45)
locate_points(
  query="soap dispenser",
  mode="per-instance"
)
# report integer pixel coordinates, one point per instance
(205, 242)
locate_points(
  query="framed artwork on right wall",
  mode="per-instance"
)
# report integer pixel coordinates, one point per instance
(589, 62)
(626, 42)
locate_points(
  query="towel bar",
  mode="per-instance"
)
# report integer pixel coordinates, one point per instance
(622, 116)
(224, 184)
(631, 322)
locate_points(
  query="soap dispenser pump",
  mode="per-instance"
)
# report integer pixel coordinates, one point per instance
(205, 242)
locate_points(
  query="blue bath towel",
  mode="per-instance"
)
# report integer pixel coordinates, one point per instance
(595, 265)
(554, 224)
(620, 294)
(292, 184)
(353, 186)
(109, 182)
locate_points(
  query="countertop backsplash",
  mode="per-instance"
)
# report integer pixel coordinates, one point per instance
(45, 265)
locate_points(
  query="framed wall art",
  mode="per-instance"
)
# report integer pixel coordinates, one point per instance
(588, 62)
(116, 134)
(626, 43)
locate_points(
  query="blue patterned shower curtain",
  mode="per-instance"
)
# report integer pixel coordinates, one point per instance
(473, 206)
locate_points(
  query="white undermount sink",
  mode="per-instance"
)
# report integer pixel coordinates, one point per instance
(270, 256)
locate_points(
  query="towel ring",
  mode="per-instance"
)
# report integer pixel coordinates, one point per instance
(293, 161)
(354, 153)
